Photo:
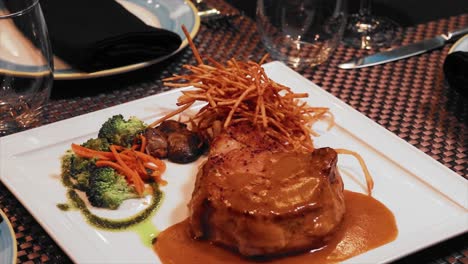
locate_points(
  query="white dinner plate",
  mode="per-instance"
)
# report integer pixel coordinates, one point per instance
(166, 14)
(7, 241)
(460, 45)
(429, 200)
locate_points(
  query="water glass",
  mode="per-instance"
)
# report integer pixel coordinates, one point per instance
(301, 33)
(26, 67)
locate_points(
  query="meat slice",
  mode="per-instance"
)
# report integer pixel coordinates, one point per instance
(256, 198)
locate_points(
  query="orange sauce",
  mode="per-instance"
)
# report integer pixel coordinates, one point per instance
(367, 224)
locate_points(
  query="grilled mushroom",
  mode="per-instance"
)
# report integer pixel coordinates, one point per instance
(156, 143)
(174, 141)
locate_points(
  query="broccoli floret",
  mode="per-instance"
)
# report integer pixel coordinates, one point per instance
(101, 144)
(121, 132)
(82, 180)
(108, 189)
(77, 170)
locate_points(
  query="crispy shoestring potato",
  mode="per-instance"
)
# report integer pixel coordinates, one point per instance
(242, 92)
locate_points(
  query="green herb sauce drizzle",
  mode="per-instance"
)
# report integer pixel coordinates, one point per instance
(139, 223)
(106, 223)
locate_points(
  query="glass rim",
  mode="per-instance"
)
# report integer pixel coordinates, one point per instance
(22, 11)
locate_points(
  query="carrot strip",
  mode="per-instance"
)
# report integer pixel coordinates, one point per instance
(141, 169)
(158, 179)
(135, 144)
(147, 158)
(139, 184)
(143, 143)
(118, 148)
(90, 153)
(150, 166)
(137, 181)
(127, 152)
(126, 157)
(135, 147)
(131, 162)
(102, 163)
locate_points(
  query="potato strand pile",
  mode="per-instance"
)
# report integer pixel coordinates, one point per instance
(242, 92)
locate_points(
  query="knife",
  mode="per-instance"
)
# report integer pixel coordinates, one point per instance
(404, 51)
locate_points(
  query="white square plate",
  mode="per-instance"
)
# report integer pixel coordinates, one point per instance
(428, 200)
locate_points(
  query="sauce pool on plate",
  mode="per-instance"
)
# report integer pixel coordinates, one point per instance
(367, 224)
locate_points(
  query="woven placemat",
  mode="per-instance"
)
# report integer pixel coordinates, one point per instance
(409, 98)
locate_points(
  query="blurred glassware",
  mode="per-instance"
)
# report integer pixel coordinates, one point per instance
(26, 67)
(301, 33)
(367, 31)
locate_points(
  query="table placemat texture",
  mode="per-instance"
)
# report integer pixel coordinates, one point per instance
(408, 97)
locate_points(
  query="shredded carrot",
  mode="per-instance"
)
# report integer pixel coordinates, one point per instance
(119, 148)
(134, 147)
(143, 143)
(108, 163)
(140, 168)
(131, 162)
(159, 179)
(147, 158)
(150, 166)
(118, 157)
(135, 178)
(90, 153)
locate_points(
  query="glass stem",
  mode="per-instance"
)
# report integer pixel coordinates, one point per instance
(365, 7)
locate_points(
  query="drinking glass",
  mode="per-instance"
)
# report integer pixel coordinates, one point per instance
(301, 33)
(26, 67)
(367, 31)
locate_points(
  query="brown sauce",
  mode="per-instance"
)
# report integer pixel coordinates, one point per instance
(367, 224)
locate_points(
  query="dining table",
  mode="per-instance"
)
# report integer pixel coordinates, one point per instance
(409, 97)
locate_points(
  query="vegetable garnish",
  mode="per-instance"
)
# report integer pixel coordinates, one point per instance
(115, 166)
(131, 163)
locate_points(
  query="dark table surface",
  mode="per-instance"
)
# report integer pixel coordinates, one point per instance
(405, 12)
(410, 98)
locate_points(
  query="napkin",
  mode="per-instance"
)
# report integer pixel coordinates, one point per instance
(456, 71)
(94, 35)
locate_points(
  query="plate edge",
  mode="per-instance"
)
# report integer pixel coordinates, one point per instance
(457, 43)
(12, 235)
(322, 91)
(133, 67)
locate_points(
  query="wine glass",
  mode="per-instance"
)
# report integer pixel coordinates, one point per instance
(301, 33)
(26, 67)
(367, 31)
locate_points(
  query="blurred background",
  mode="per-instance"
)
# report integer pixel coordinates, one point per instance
(405, 12)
